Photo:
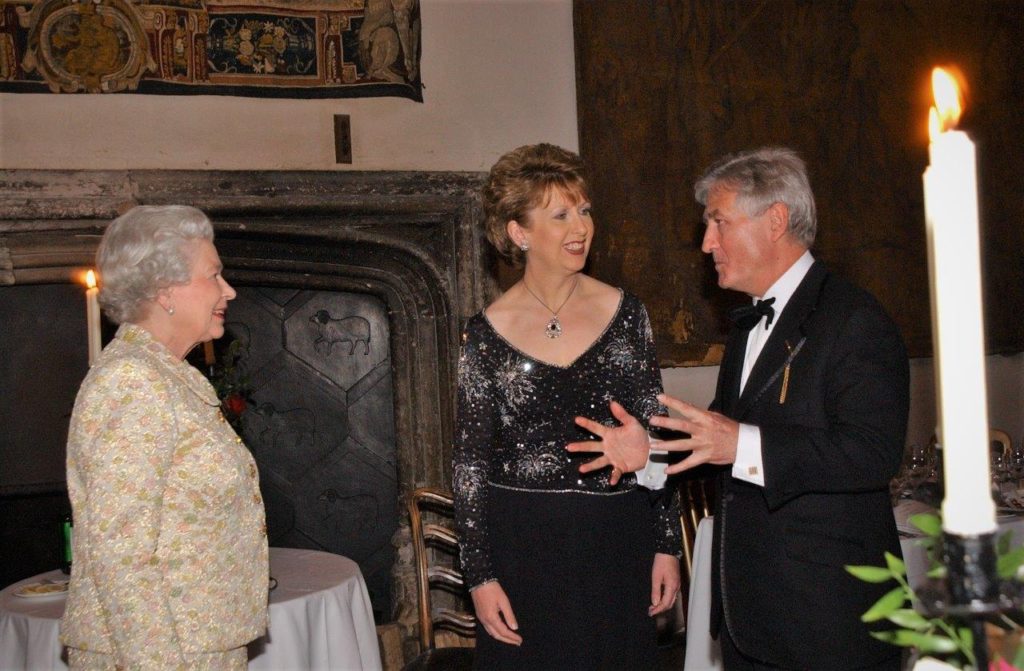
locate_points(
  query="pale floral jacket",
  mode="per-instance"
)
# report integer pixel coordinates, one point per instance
(170, 547)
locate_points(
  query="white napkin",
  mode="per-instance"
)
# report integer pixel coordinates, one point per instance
(904, 510)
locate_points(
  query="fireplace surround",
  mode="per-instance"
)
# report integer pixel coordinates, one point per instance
(409, 240)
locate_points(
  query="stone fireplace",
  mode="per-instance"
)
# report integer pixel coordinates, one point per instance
(352, 290)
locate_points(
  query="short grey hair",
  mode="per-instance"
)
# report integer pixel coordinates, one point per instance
(143, 251)
(761, 178)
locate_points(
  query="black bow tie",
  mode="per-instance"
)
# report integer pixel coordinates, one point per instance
(746, 317)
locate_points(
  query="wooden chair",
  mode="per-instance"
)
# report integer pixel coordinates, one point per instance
(696, 501)
(436, 553)
(1000, 439)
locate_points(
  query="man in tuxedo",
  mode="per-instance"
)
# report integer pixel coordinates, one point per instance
(808, 424)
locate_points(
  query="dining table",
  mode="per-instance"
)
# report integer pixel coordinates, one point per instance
(320, 618)
(703, 652)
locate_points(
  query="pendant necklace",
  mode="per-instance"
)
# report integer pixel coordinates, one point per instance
(554, 327)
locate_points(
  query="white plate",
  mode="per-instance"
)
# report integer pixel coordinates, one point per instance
(38, 590)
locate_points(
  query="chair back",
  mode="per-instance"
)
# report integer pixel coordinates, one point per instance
(998, 439)
(697, 501)
(436, 553)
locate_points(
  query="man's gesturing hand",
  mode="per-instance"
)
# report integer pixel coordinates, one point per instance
(625, 448)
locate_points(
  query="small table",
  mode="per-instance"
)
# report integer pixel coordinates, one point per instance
(320, 618)
(703, 652)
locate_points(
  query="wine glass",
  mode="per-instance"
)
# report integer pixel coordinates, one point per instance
(1001, 476)
(1016, 468)
(918, 468)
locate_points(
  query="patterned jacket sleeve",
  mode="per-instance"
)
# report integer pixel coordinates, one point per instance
(123, 443)
(475, 426)
(668, 532)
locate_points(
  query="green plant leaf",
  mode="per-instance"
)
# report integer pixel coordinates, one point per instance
(870, 573)
(1008, 562)
(1018, 657)
(936, 572)
(909, 618)
(889, 602)
(895, 564)
(912, 639)
(927, 642)
(966, 636)
(928, 523)
(885, 636)
(1003, 543)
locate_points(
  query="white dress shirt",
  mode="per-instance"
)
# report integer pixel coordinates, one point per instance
(749, 464)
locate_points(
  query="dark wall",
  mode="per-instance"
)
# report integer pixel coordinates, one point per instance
(43, 359)
(664, 88)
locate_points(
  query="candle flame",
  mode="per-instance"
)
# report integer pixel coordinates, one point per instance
(948, 103)
(90, 279)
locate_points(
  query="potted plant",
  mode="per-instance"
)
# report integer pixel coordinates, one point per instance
(943, 642)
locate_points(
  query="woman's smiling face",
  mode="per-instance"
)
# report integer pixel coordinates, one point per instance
(201, 304)
(559, 231)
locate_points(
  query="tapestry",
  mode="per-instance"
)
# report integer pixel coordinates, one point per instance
(260, 48)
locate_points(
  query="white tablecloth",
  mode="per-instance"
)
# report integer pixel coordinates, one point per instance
(320, 618)
(703, 652)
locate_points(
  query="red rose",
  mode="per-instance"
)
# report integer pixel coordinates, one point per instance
(234, 404)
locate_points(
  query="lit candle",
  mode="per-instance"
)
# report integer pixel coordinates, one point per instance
(92, 316)
(951, 215)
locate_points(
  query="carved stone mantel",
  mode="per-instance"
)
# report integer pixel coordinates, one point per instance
(411, 239)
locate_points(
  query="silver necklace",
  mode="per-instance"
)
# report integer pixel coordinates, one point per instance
(554, 327)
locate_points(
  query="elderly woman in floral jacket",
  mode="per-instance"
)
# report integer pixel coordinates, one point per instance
(170, 552)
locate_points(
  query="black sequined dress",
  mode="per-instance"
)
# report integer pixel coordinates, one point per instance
(572, 552)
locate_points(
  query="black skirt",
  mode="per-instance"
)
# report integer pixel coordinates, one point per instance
(577, 571)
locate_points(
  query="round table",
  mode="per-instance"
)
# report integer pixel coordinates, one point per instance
(320, 618)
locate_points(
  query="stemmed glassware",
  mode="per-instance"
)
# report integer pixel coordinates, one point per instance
(1015, 475)
(1005, 474)
(914, 472)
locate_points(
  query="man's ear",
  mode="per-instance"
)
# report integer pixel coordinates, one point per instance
(778, 220)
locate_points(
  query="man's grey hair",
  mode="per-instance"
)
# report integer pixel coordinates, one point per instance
(145, 250)
(761, 178)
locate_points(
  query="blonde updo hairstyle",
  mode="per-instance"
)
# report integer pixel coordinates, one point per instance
(145, 250)
(521, 180)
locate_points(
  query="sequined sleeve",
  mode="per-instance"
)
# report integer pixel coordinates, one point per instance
(121, 443)
(668, 534)
(475, 424)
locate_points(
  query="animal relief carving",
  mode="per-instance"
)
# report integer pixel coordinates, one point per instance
(351, 330)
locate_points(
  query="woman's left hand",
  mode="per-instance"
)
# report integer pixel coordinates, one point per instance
(664, 583)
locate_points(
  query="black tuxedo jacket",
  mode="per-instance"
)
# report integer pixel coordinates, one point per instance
(829, 448)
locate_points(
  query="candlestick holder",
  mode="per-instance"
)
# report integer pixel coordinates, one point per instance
(972, 591)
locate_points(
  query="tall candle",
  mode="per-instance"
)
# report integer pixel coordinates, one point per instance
(951, 215)
(208, 356)
(92, 316)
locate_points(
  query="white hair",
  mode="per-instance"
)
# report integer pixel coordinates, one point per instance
(143, 251)
(761, 178)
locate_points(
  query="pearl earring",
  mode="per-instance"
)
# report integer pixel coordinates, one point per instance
(170, 310)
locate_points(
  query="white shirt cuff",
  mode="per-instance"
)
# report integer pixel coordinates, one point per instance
(749, 466)
(652, 475)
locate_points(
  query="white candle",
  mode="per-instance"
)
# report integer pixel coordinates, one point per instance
(92, 316)
(951, 215)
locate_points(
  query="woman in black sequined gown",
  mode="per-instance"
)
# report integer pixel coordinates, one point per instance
(566, 570)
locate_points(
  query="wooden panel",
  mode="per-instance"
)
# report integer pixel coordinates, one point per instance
(665, 88)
